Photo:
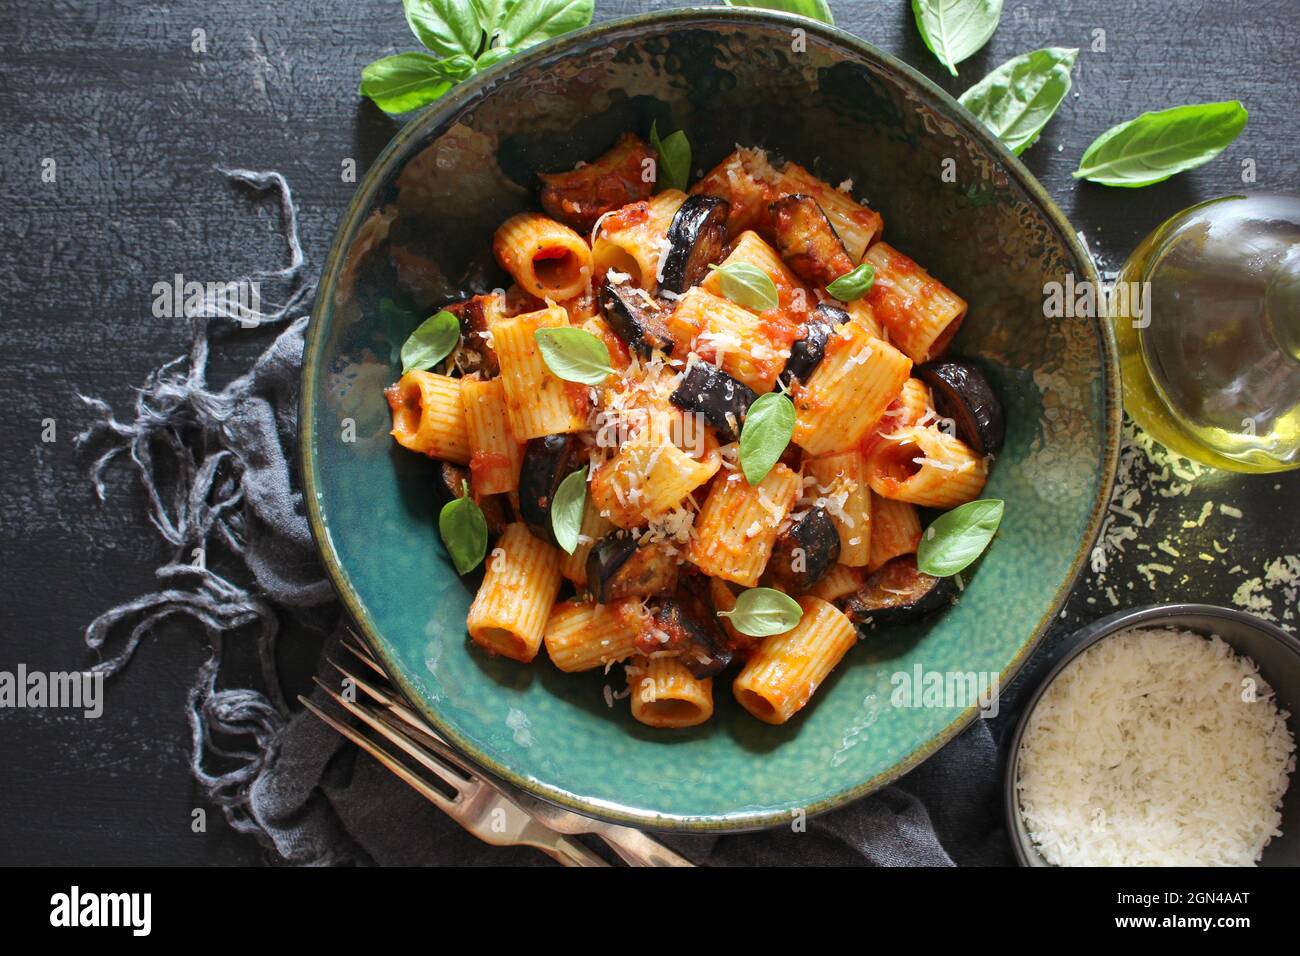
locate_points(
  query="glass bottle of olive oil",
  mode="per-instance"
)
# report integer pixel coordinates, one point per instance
(1207, 317)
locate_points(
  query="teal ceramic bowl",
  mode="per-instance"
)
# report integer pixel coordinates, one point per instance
(421, 222)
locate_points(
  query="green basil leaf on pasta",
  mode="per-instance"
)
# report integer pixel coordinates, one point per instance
(954, 29)
(574, 355)
(1155, 146)
(407, 81)
(567, 508)
(769, 423)
(853, 285)
(673, 169)
(447, 27)
(814, 9)
(431, 342)
(746, 284)
(1017, 99)
(528, 22)
(958, 537)
(762, 612)
(464, 531)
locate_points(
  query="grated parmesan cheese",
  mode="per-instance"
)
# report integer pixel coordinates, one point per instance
(1156, 747)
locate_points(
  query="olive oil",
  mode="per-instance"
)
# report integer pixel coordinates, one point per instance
(1211, 366)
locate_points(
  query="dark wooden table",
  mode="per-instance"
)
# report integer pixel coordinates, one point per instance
(135, 120)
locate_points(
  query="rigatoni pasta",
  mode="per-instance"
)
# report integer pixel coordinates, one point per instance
(509, 613)
(428, 416)
(787, 668)
(631, 502)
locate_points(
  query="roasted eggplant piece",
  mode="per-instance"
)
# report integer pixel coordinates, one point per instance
(715, 395)
(473, 316)
(547, 462)
(581, 196)
(804, 551)
(807, 353)
(619, 567)
(807, 240)
(451, 484)
(696, 238)
(635, 318)
(898, 593)
(962, 393)
(704, 649)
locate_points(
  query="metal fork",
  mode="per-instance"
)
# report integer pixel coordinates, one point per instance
(480, 808)
(633, 846)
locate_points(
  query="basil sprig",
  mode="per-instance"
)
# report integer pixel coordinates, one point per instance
(769, 423)
(466, 37)
(431, 342)
(464, 531)
(1155, 146)
(566, 509)
(958, 537)
(673, 169)
(746, 284)
(1017, 99)
(574, 355)
(813, 9)
(853, 284)
(954, 29)
(762, 612)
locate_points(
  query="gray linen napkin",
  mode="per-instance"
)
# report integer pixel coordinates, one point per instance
(226, 457)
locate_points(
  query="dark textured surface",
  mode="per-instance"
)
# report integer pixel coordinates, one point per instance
(135, 121)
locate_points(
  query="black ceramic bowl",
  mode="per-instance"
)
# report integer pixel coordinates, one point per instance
(1275, 652)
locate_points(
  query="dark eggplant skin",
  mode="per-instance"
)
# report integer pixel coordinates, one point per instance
(704, 649)
(807, 353)
(962, 393)
(877, 603)
(807, 241)
(816, 539)
(714, 394)
(696, 239)
(618, 567)
(635, 318)
(547, 462)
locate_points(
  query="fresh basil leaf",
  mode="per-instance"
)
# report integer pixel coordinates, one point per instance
(746, 284)
(492, 57)
(431, 342)
(762, 612)
(407, 81)
(769, 423)
(529, 22)
(1155, 146)
(673, 167)
(464, 531)
(958, 537)
(490, 14)
(574, 355)
(567, 507)
(954, 29)
(853, 284)
(814, 9)
(1017, 99)
(447, 27)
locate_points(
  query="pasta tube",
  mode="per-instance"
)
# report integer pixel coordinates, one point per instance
(787, 668)
(582, 635)
(666, 694)
(926, 467)
(495, 456)
(537, 402)
(738, 524)
(428, 416)
(547, 258)
(508, 616)
(920, 313)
